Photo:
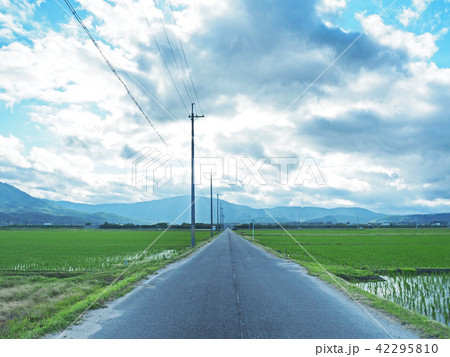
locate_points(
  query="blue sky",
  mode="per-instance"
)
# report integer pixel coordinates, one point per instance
(375, 124)
(433, 18)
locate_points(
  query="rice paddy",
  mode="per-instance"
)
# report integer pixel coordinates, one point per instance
(426, 294)
(47, 277)
(86, 250)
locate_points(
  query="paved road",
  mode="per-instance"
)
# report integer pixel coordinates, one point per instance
(233, 289)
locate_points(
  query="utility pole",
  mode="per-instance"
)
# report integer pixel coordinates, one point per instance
(211, 208)
(217, 207)
(253, 230)
(193, 117)
(221, 217)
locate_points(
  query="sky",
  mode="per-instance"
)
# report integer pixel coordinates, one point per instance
(330, 103)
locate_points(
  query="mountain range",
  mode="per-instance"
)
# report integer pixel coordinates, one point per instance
(177, 210)
(17, 207)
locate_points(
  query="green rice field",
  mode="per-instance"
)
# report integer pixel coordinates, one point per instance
(47, 277)
(373, 249)
(86, 250)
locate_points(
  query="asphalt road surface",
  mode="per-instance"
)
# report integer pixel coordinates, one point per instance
(232, 289)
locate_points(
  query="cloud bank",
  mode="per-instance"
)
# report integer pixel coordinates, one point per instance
(376, 123)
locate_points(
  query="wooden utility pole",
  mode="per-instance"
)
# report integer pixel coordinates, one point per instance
(218, 220)
(193, 117)
(222, 223)
(211, 196)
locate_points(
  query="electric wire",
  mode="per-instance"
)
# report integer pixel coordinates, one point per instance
(176, 62)
(165, 64)
(140, 85)
(174, 57)
(113, 69)
(185, 59)
(162, 57)
(183, 67)
(118, 65)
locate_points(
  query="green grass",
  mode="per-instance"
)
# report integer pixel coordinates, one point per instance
(362, 255)
(47, 278)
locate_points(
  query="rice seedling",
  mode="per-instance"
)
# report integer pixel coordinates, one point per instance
(428, 295)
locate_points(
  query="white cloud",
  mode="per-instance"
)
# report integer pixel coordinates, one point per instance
(330, 6)
(57, 69)
(65, 164)
(197, 13)
(421, 5)
(14, 15)
(11, 152)
(444, 203)
(368, 123)
(413, 13)
(417, 46)
(408, 15)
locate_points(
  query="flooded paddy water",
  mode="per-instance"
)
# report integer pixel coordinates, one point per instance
(428, 295)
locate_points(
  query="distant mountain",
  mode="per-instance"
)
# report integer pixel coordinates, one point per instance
(13, 200)
(20, 208)
(317, 214)
(176, 210)
(171, 210)
(17, 207)
(426, 219)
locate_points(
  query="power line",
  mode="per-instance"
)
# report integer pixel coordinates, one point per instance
(173, 54)
(131, 76)
(185, 59)
(176, 62)
(192, 116)
(165, 64)
(183, 68)
(142, 87)
(113, 69)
